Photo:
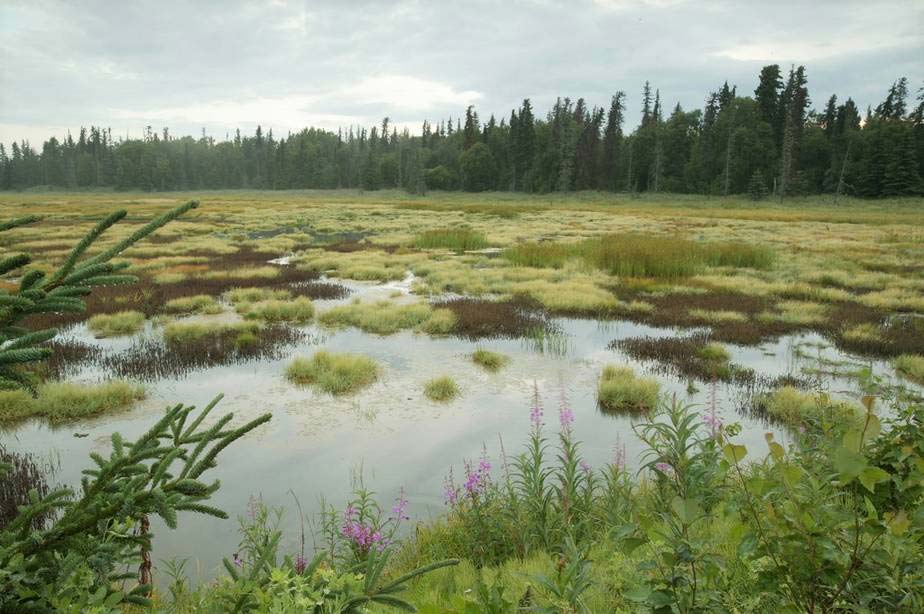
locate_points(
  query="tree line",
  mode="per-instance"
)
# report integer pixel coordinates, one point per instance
(771, 142)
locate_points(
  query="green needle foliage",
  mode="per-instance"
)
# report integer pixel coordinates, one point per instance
(58, 292)
(78, 553)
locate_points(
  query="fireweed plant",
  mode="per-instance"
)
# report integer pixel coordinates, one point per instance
(833, 523)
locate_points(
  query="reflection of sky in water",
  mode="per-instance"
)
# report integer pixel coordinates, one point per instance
(390, 430)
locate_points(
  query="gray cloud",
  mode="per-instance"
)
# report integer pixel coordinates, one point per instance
(220, 65)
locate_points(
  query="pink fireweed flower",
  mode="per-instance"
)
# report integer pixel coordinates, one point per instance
(565, 414)
(400, 507)
(713, 422)
(664, 468)
(478, 479)
(585, 467)
(300, 564)
(535, 413)
(237, 560)
(619, 454)
(450, 492)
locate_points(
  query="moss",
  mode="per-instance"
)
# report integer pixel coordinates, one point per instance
(441, 389)
(333, 373)
(200, 303)
(492, 361)
(620, 390)
(795, 408)
(63, 401)
(298, 311)
(910, 366)
(116, 324)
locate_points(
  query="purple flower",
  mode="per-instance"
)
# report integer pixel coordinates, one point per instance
(300, 564)
(535, 413)
(450, 492)
(585, 467)
(664, 468)
(713, 422)
(237, 560)
(565, 414)
(400, 507)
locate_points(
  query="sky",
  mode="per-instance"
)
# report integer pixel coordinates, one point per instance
(217, 66)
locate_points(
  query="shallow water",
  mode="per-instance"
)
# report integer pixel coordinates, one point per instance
(390, 432)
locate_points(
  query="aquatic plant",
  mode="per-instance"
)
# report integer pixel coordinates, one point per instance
(910, 366)
(441, 389)
(456, 239)
(620, 390)
(481, 318)
(116, 324)
(65, 401)
(299, 310)
(333, 373)
(199, 303)
(491, 361)
(379, 317)
(25, 474)
(802, 409)
(442, 321)
(692, 356)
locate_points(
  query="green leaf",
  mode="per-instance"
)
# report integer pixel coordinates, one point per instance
(848, 463)
(898, 522)
(871, 476)
(776, 450)
(734, 453)
(639, 594)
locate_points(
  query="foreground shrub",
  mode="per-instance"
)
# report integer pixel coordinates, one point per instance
(333, 373)
(492, 361)
(116, 324)
(910, 366)
(78, 561)
(63, 401)
(620, 390)
(441, 389)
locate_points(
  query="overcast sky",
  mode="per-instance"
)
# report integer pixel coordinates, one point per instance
(220, 65)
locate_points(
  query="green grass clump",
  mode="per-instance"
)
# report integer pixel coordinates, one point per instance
(638, 255)
(116, 324)
(795, 408)
(456, 239)
(253, 295)
(63, 401)
(619, 389)
(189, 332)
(380, 317)
(713, 352)
(910, 366)
(492, 361)
(333, 373)
(441, 389)
(298, 311)
(440, 322)
(200, 303)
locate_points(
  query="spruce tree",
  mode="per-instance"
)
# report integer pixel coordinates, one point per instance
(901, 176)
(757, 186)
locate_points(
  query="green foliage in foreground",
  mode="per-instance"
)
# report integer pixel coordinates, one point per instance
(333, 373)
(636, 255)
(834, 523)
(60, 291)
(78, 560)
(63, 401)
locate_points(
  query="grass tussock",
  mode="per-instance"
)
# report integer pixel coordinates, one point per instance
(441, 389)
(620, 390)
(178, 333)
(296, 311)
(639, 255)
(202, 304)
(116, 324)
(490, 361)
(335, 374)
(255, 294)
(386, 317)
(794, 408)
(910, 366)
(66, 401)
(455, 239)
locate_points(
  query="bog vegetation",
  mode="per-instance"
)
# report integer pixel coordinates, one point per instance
(701, 522)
